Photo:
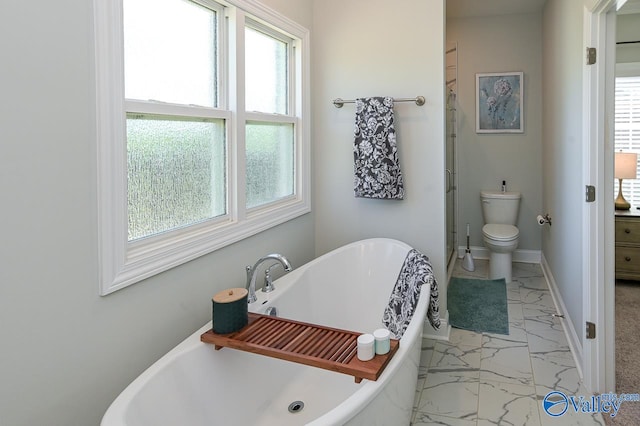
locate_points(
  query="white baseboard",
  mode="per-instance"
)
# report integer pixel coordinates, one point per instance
(442, 333)
(525, 256)
(573, 338)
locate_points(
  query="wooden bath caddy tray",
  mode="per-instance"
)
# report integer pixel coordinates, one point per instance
(318, 346)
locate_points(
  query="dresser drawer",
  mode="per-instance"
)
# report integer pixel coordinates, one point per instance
(627, 231)
(628, 259)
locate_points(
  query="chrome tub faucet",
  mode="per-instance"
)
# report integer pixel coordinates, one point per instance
(252, 272)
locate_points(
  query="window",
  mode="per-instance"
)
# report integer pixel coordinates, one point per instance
(208, 142)
(627, 129)
(270, 142)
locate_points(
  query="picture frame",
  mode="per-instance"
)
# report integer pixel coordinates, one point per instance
(500, 102)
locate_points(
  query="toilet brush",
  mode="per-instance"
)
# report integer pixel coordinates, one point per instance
(467, 261)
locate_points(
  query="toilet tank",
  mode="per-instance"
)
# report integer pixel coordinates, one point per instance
(500, 207)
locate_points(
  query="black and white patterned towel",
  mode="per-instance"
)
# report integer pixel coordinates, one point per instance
(375, 154)
(416, 271)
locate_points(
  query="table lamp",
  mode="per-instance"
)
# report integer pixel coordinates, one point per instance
(626, 165)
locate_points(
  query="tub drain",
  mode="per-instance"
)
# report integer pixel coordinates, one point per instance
(296, 406)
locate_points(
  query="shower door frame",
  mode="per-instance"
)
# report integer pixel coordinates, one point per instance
(451, 192)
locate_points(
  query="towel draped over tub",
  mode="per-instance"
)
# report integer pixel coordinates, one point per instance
(416, 271)
(375, 154)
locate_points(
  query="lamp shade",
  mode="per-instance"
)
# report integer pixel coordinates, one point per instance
(626, 165)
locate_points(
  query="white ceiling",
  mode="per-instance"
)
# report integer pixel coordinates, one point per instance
(468, 8)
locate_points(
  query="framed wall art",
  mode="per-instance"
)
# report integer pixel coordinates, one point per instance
(499, 102)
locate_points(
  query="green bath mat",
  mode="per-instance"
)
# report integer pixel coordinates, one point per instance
(478, 305)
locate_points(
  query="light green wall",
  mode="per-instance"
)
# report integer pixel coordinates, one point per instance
(628, 29)
(562, 154)
(499, 44)
(375, 48)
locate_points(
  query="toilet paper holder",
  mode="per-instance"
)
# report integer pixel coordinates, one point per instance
(544, 219)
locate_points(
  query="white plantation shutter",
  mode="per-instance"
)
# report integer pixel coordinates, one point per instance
(627, 130)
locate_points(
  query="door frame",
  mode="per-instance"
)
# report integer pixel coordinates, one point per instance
(598, 217)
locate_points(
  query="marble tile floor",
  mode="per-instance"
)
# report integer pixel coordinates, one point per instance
(492, 379)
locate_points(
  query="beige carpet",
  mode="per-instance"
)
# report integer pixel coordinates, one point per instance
(627, 351)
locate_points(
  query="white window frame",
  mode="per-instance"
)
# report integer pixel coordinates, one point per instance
(122, 263)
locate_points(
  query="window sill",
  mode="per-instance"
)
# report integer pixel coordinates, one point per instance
(145, 258)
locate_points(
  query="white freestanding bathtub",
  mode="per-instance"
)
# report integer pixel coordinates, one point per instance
(348, 288)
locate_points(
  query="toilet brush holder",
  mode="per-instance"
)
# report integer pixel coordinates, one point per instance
(467, 260)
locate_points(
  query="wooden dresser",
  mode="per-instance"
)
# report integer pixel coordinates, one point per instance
(628, 244)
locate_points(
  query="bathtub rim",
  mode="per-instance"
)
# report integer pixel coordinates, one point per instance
(264, 300)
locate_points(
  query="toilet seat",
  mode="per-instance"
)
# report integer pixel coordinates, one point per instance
(500, 232)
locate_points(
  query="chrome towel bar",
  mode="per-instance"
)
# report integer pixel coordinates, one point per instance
(419, 100)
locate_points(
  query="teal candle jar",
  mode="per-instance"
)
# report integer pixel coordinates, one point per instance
(230, 310)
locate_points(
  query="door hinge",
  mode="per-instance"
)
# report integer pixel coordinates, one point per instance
(591, 330)
(591, 55)
(590, 193)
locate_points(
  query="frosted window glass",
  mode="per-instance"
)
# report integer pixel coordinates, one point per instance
(170, 52)
(177, 173)
(270, 162)
(266, 73)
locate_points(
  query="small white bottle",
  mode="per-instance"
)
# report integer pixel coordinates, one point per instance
(366, 347)
(383, 342)
(504, 186)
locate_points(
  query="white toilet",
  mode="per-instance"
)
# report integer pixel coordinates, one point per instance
(500, 212)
